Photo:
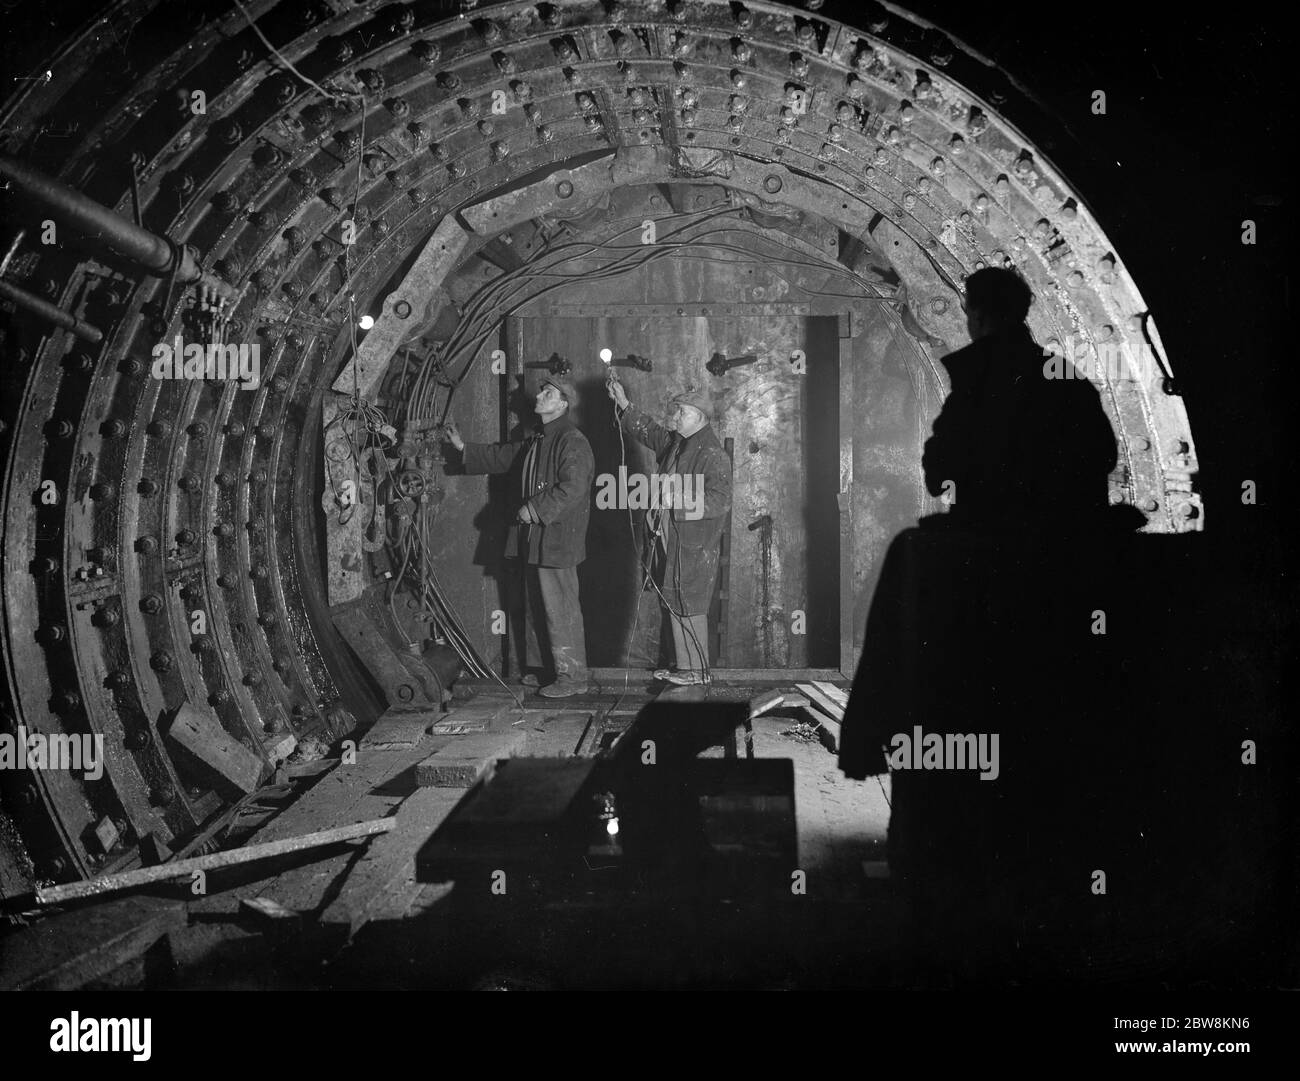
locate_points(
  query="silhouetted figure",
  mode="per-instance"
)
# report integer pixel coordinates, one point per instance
(1018, 437)
(982, 676)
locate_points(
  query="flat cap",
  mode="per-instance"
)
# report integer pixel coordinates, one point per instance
(699, 399)
(567, 390)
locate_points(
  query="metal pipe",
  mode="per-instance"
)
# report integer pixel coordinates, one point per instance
(13, 250)
(158, 255)
(52, 312)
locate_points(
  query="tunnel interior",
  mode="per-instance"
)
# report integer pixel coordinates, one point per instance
(412, 215)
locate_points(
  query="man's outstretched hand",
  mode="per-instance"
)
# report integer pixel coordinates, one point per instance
(618, 394)
(453, 436)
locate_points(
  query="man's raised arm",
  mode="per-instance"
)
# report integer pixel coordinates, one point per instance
(483, 457)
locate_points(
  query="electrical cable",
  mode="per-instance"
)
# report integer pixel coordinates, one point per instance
(648, 568)
(480, 318)
(286, 61)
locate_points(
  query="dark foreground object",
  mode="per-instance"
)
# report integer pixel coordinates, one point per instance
(1122, 688)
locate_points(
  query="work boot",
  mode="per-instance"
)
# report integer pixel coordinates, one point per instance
(565, 687)
(688, 678)
(529, 680)
(662, 674)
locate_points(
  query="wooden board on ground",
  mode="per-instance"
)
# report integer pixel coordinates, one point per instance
(465, 759)
(515, 817)
(72, 949)
(823, 701)
(554, 735)
(370, 787)
(841, 822)
(452, 727)
(838, 695)
(384, 879)
(401, 726)
(825, 710)
(215, 754)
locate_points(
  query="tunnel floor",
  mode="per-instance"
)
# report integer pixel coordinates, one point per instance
(353, 914)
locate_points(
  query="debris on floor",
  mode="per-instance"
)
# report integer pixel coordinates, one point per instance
(803, 732)
(309, 749)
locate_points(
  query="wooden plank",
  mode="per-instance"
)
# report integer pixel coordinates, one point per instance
(554, 735)
(216, 825)
(836, 694)
(822, 701)
(268, 909)
(515, 818)
(452, 727)
(310, 769)
(145, 875)
(849, 344)
(465, 759)
(765, 701)
(400, 727)
(222, 760)
(830, 694)
(825, 711)
(611, 679)
(71, 949)
(370, 787)
(282, 748)
(841, 822)
(385, 877)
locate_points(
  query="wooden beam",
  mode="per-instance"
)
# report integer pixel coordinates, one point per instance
(72, 949)
(836, 694)
(612, 678)
(848, 421)
(400, 726)
(467, 758)
(94, 887)
(386, 873)
(222, 760)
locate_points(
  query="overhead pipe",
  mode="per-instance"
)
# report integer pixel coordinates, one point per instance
(159, 255)
(52, 312)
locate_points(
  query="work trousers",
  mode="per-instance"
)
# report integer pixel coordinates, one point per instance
(686, 577)
(690, 642)
(553, 621)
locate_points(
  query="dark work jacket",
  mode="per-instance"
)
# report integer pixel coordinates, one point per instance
(692, 545)
(1014, 443)
(561, 498)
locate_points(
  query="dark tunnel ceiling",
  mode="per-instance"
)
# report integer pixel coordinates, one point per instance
(458, 130)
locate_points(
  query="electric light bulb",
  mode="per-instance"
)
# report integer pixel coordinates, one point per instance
(606, 355)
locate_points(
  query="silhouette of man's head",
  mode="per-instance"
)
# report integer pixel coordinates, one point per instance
(995, 300)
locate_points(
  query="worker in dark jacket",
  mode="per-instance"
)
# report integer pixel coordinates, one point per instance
(979, 628)
(686, 531)
(1018, 438)
(549, 534)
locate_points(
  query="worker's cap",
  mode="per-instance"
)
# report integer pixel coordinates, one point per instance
(697, 398)
(567, 390)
